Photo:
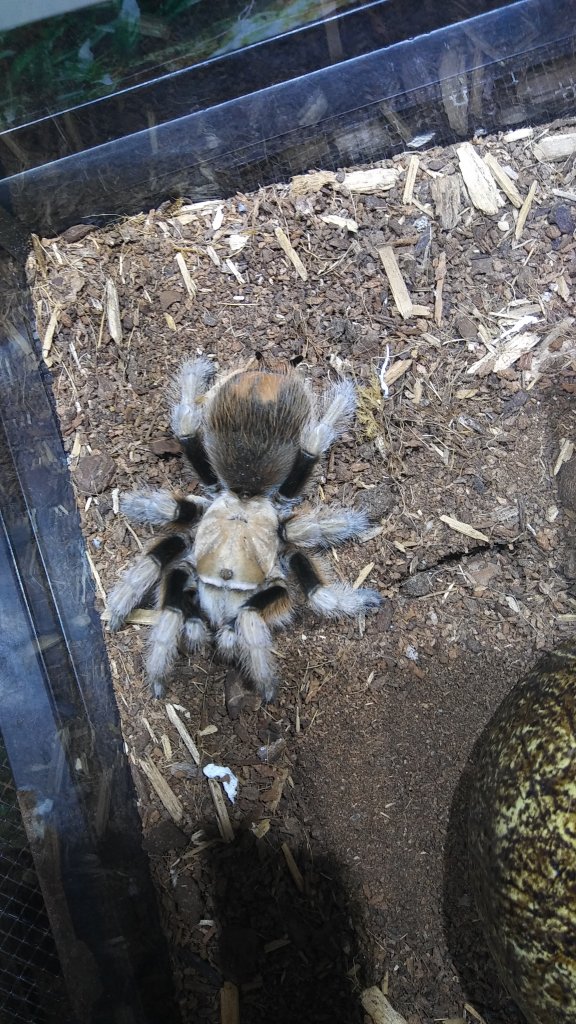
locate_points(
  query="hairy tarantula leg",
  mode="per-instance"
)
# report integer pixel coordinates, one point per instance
(141, 577)
(193, 382)
(272, 604)
(323, 528)
(160, 508)
(332, 600)
(254, 652)
(179, 616)
(339, 407)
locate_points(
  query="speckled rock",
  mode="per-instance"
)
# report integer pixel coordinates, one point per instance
(523, 839)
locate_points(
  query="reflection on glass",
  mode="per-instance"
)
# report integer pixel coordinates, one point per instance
(58, 62)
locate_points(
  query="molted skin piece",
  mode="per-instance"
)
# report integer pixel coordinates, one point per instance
(237, 543)
(523, 839)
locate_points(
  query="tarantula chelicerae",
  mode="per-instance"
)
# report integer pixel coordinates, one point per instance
(223, 564)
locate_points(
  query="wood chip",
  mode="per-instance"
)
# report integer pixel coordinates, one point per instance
(396, 281)
(49, 335)
(340, 222)
(162, 790)
(555, 147)
(446, 194)
(473, 1014)
(222, 816)
(397, 370)
(377, 179)
(514, 349)
(261, 828)
(218, 218)
(231, 266)
(411, 173)
(562, 193)
(379, 1008)
(517, 134)
(440, 278)
(564, 455)
(563, 288)
(96, 576)
(478, 179)
(309, 184)
(293, 867)
(422, 311)
(286, 245)
(363, 575)
(237, 242)
(188, 282)
(213, 255)
(504, 180)
(229, 1003)
(113, 311)
(525, 210)
(185, 736)
(272, 797)
(464, 528)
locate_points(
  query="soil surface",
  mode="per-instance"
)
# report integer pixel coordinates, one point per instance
(359, 771)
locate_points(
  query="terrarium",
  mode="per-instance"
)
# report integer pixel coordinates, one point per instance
(378, 193)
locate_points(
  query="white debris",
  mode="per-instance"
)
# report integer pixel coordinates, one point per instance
(227, 777)
(382, 374)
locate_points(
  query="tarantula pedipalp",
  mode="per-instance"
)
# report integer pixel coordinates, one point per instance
(223, 565)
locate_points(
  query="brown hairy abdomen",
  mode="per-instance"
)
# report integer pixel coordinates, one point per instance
(253, 427)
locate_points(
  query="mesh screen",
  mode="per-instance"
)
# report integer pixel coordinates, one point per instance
(31, 984)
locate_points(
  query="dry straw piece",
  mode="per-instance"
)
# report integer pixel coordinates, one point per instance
(379, 1008)
(468, 531)
(286, 245)
(504, 180)
(525, 210)
(113, 311)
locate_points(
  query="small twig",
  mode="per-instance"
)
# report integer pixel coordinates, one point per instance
(525, 210)
(293, 868)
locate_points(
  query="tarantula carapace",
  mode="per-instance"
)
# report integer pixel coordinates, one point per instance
(225, 563)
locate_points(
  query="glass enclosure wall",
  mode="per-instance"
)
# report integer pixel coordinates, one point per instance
(104, 111)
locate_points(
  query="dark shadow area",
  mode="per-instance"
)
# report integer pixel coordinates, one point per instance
(463, 929)
(293, 954)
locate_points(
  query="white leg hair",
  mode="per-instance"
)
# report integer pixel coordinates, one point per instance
(339, 408)
(255, 652)
(193, 381)
(338, 599)
(324, 527)
(250, 641)
(131, 588)
(195, 634)
(159, 508)
(163, 647)
(226, 642)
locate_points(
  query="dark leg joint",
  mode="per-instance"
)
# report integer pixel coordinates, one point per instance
(188, 511)
(167, 549)
(305, 573)
(266, 598)
(177, 597)
(299, 475)
(195, 452)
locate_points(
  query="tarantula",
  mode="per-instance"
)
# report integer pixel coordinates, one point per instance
(223, 564)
